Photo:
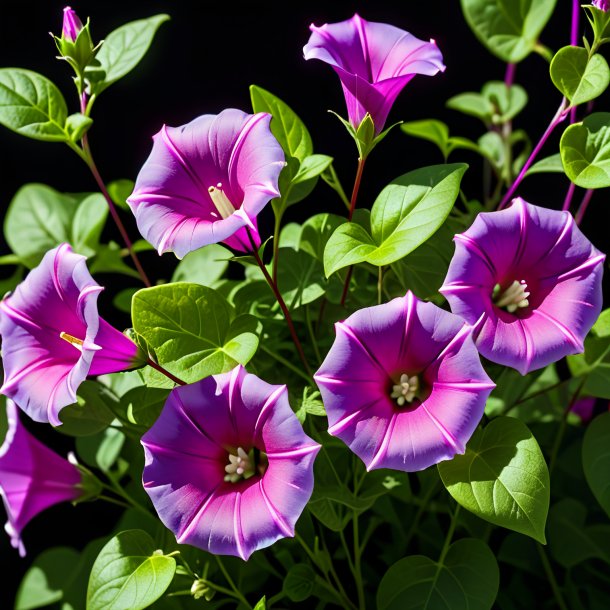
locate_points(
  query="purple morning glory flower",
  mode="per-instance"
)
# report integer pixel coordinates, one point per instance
(53, 336)
(374, 62)
(403, 385)
(206, 182)
(72, 25)
(584, 408)
(529, 282)
(602, 5)
(32, 477)
(228, 466)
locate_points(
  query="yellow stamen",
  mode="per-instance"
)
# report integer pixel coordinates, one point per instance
(221, 201)
(77, 343)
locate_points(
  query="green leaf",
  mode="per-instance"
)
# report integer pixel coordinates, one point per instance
(123, 49)
(204, 266)
(119, 190)
(101, 450)
(578, 77)
(300, 277)
(506, 102)
(299, 582)
(262, 604)
(39, 218)
(77, 125)
(509, 29)
(91, 413)
(473, 104)
(88, 224)
(193, 330)
(502, 477)
(570, 541)
(109, 259)
(596, 459)
(467, 579)
(407, 212)
(548, 165)
(286, 126)
(438, 133)
(50, 575)
(316, 232)
(129, 573)
(32, 105)
(143, 405)
(585, 151)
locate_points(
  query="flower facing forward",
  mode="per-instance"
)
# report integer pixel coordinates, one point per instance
(530, 283)
(374, 62)
(228, 466)
(32, 477)
(53, 336)
(403, 385)
(206, 182)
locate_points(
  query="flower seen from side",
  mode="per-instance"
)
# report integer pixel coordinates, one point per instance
(403, 385)
(53, 336)
(207, 181)
(72, 25)
(227, 464)
(32, 477)
(374, 61)
(602, 5)
(529, 281)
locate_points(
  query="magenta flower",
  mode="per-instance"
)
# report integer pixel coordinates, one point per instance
(602, 5)
(403, 385)
(72, 25)
(530, 283)
(228, 466)
(374, 62)
(32, 477)
(53, 336)
(206, 182)
(584, 408)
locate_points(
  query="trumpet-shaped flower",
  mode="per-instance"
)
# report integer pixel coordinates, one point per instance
(228, 466)
(32, 477)
(207, 181)
(374, 62)
(403, 385)
(529, 282)
(53, 336)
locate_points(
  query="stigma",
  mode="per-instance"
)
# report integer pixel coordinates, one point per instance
(406, 390)
(240, 466)
(221, 201)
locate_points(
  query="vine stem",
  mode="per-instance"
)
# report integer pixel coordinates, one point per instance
(165, 372)
(552, 580)
(560, 115)
(88, 158)
(281, 302)
(584, 204)
(450, 533)
(236, 592)
(352, 207)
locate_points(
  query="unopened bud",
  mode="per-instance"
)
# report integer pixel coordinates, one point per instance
(200, 589)
(72, 25)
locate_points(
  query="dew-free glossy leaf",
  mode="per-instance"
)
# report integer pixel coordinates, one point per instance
(579, 77)
(585, 151)
(193, 330)
(123, 49)
(502, 477)
(88, 223)
(406, 213)
(548, 165)
(91, 413)
(50, 575)
(468, 579)
(596, 459)
(204, 266)
(299, 582)
(508, 28)
(130, 573)
(316, 231)
(286, 126)
(438, 133)
(32, 105)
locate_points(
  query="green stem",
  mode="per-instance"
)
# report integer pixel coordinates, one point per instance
(276, 244)
(379, 285)
(358, 564)
(420, 512)
(312, 335)
(225, 573)
(562, 427)
(116, 488)
(450, 533)
(114, 501)
(286, 363)
(551, 577)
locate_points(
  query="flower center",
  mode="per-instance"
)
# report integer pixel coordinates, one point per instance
(241, 466)
(406, 390)
(221, 201)
(77, 343)
(513, 298)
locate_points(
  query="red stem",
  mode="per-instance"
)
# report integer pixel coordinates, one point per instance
(165, 372)
(111, 206)
(584, 204)
(282, 304)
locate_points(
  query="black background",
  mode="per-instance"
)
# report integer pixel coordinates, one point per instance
(202, 61)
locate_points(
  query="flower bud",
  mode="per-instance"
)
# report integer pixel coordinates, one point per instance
(602, 5)
(72, 25)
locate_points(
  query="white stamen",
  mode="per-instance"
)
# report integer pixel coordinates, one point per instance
(406, 390)
(221, 201)
(240, 466)
(513, 298)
